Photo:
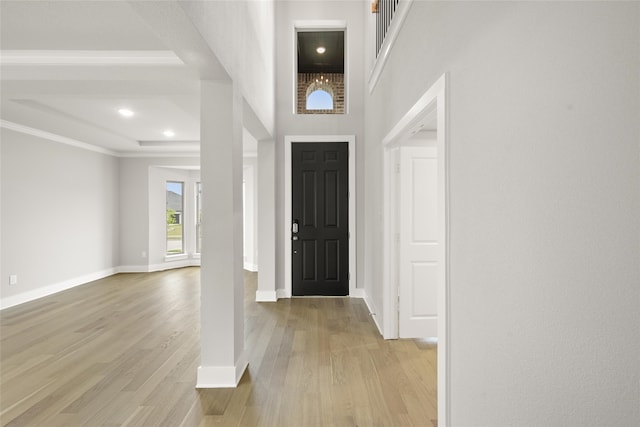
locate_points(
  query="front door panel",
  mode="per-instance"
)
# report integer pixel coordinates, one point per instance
(320, 212)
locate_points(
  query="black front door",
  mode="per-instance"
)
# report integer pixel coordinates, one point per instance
(320, 213)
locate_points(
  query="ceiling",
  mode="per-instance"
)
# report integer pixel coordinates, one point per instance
(68, 67)
(77, 25)
(331, 61)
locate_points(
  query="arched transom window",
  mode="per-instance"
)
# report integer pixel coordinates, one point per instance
(319, 96)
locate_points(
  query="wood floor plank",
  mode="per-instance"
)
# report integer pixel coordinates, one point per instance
(124, 350)
(138, 418)
(50, 399)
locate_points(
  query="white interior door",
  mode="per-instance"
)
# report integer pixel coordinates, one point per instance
(418, 242)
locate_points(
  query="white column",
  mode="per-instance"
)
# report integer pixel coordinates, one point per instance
(250, 214)
(223, 359)
(266, 221)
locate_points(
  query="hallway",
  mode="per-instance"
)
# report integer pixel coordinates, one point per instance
(124, 351)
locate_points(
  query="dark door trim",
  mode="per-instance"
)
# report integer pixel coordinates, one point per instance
(286, 224)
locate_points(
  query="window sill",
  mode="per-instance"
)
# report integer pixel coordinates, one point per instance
(178, 257)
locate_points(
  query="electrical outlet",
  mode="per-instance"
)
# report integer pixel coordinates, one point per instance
(13, 279)
(144, 254)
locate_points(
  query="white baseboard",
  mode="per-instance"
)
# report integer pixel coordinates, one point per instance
(44, 291)
(355, 293)
(191, 262)
(133, 269)
(358, 293)
(266, 296)
(251, 267)
(282, 293)
(221, 376)
(168, 265)
(373, 312)
(47, 290)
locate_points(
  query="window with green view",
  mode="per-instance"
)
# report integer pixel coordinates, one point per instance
(175, 209)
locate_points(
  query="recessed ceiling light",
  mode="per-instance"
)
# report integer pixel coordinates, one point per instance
(125, 112)
(168, 133)
(321, 50)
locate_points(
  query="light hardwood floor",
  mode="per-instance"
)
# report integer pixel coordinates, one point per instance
(123, 351)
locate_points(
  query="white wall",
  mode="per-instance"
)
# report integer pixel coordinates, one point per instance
(287, 123)
(79, 215)
(143, 206)
(59, 216)
(544, 104)
(141, 186)
(240, 33)
(134, 213)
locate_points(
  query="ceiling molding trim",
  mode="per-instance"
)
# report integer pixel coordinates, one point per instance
(155, 155)
(170, 143)
(89, 57)
(320, 24)
(54, 137)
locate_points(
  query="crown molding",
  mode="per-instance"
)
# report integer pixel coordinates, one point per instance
(89, 57)
(54, 137)
(85, 146)
(195, 144)
(159, 155)
(319, 24)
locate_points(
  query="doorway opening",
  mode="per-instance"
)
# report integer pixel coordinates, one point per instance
(288, 218)
(420, 137)
(320, 224)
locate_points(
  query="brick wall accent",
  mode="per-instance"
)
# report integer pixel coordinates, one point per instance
(308, 82)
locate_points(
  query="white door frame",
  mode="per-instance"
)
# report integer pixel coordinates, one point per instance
(351, 140)
(433, 100)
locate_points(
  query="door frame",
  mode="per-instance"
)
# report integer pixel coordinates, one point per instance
(288, 140)
(433, 101)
